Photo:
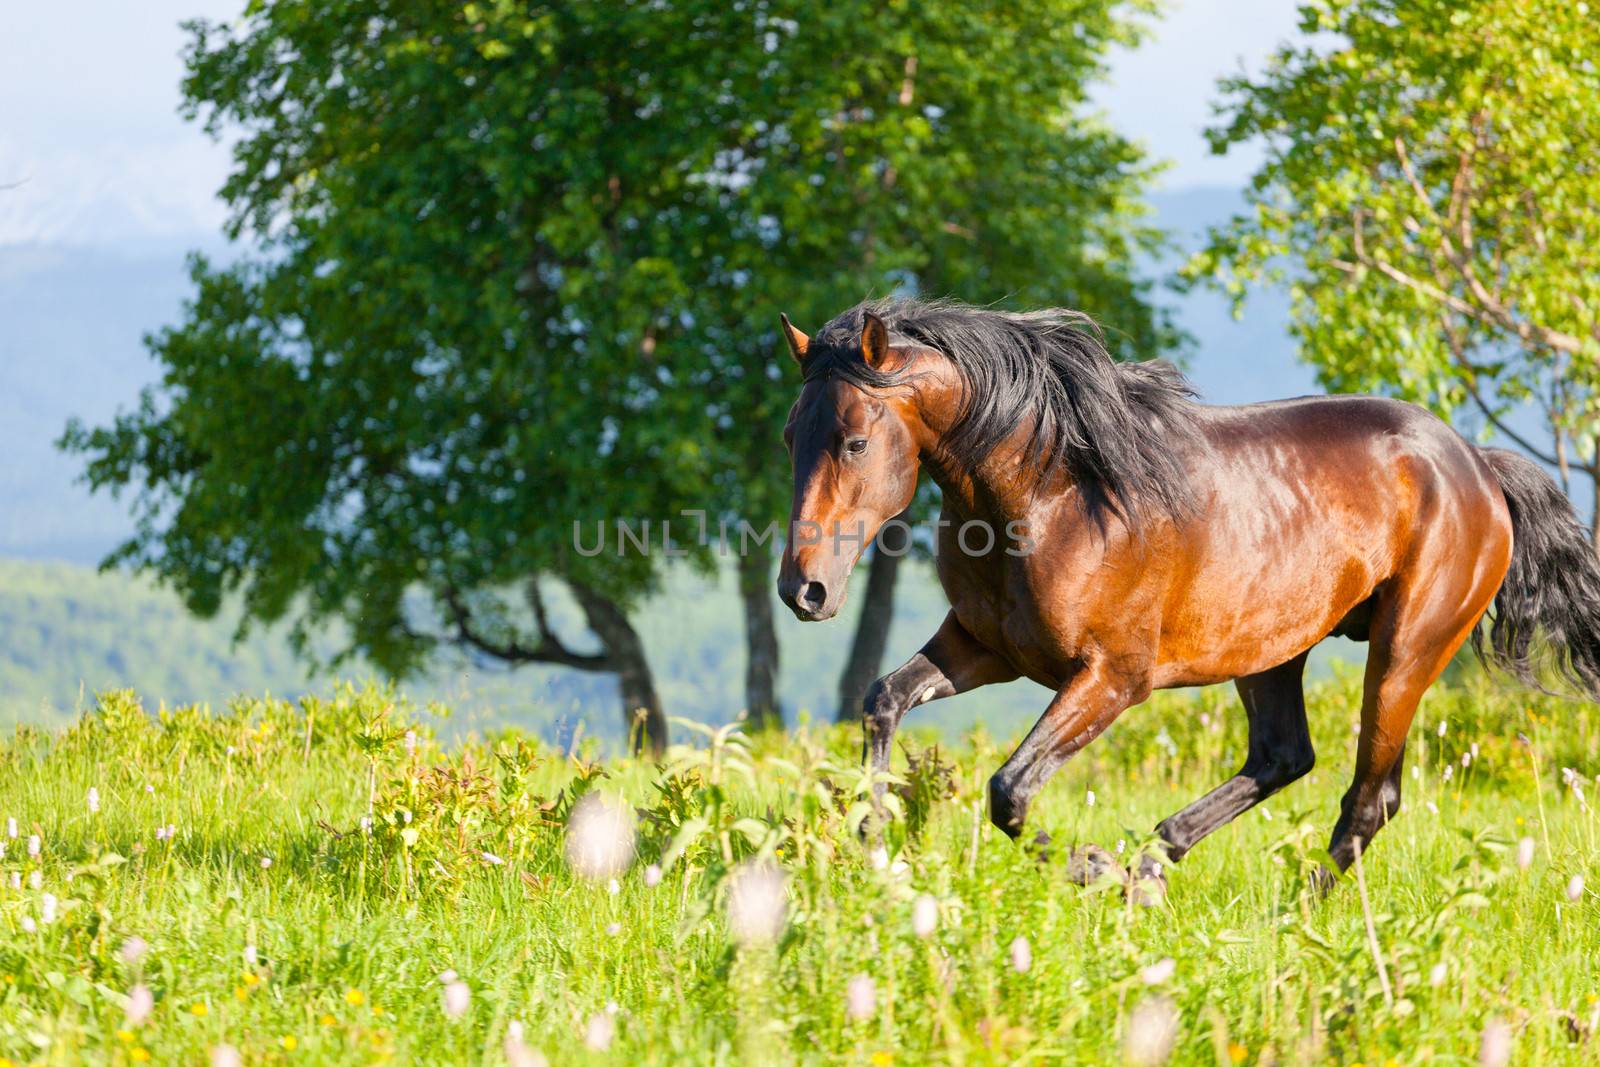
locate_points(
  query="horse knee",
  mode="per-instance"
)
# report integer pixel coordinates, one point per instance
(1008, 808)
(1389, 799)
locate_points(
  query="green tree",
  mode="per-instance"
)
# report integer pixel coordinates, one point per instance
(518, 268)
(1431, 192)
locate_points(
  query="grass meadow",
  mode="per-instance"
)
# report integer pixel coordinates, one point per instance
(325, 882)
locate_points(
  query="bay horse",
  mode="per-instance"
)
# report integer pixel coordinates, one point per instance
(1139, 540)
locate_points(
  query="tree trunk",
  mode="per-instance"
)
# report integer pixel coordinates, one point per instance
(872, 630)
(641, 708)
(761, 640)
(1594, 516)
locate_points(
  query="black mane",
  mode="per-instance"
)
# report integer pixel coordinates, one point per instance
(1115, 429)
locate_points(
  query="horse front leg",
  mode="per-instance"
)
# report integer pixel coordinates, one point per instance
(953, 661)
(1080, 712)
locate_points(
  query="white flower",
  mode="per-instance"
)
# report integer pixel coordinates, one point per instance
(366, 824)
(161, 833)
(1494, 1047)
(1437, 974)
(1088, 798)
(492, 859)
(602, 1028)
(1525, 853)
(757, 903)
(133, 949)
(28, 925)
(2, 850)
(225, 1055)
(1466, 760)
(1433, 809)
(1158, 971)
(457, 999)
(250, 956)
(1152, 1030)
(47, 908)
(613, 929)
(1474, 750)
(600, 837)
(11, 828)
(652, 876)
(1416, 773)
(1021, 955)
(924, 916)
(34, 844)
(150, 789)
(1449, 771)
(447, 976)
(613, 887)
(94, 801)
(1122, 845)
(1443, 725)
(16, 880)
(411, 742)
(141, 1002)
(35, 879)
(266, 861)
(861, 998)
(1575, 888)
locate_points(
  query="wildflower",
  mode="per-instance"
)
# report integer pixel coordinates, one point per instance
(266, 861)
(200, 1008)
(1158, 971)
(139, 1055)
(1575, 888)
(1237, 1052)
(28, 925)
(613, 929)
(250, 956)
(133, 949)
(33, 846)
(1443, 725)
(652, 876)
(861, 998)
(1088, 798)
(756, 903)
(150, 789)
(354, 997)
(1466, 760)
(141, 1002)
(457, 999)
(493, 860)
(225, 1056)
(1152, 1030)
(366, 824)
(35, 879)
(411, 742)
(924, 916)
(16, 880)
(328, 1020)
(447, 976)
(161, 833)
(289, 1042)
(11, 828)
(1021, 955)
(249, 978)
(517, 1053)
(1416, 773)
(94, 801)
(1449, 772)
(1437, 974)
(240, 993)
(125, 1036)
(1494, 1046)
(2, 850)
(598, 1035)
(881, 1059)
(1433, 809)
(47, 908)
(1525, 853)
(613, 887)
(600, 837)
(1122, 846)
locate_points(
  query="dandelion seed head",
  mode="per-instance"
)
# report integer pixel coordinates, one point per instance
(457, 999)
(652, 876)
(1021, 954)
(141, 1002)
(1152, 1031)
(757, 903)
(1494, 1046)
(600, 837)
(601, 1031)
(924, 916)
(1525, 849)
(861, 998)
(1159, 971)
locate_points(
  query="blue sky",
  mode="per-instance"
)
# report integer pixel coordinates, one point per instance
(89, 122)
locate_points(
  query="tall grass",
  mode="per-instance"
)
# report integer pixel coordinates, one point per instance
(339, 887)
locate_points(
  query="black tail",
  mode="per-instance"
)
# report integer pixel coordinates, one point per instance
(1553, 586)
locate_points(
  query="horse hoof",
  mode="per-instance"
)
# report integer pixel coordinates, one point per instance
(1147, 882)
(1087, 864)
(1040, 847)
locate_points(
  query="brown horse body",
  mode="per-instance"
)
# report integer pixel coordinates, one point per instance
(1280, 524)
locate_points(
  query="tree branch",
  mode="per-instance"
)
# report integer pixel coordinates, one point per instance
(548, 650)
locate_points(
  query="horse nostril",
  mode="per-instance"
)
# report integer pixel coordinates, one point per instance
(812, 596)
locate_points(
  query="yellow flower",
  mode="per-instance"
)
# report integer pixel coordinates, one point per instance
(1237, 1052)
(1391, 1062)
(251, 978)
(881, 1059)
(140, 1055)
(355, 998)
(1519, 820)
(289, 1043)
(377, 1009)
(240, 992)
(199, 1008)
(328, 1020)
(125, 1036)
(1593, 997)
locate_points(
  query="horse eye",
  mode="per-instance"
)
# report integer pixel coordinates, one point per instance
(856, 445)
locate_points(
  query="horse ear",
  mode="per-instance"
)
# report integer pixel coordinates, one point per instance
(874, 341)
(798, 342)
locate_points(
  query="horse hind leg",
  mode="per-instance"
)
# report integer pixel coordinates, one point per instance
(1280, 752)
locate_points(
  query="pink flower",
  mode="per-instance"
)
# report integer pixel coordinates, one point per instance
(457, 999)
(1021, 955)
(141, 1002)
(600, 1032)
(133, 949)
(757, 903)
(861, 998)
